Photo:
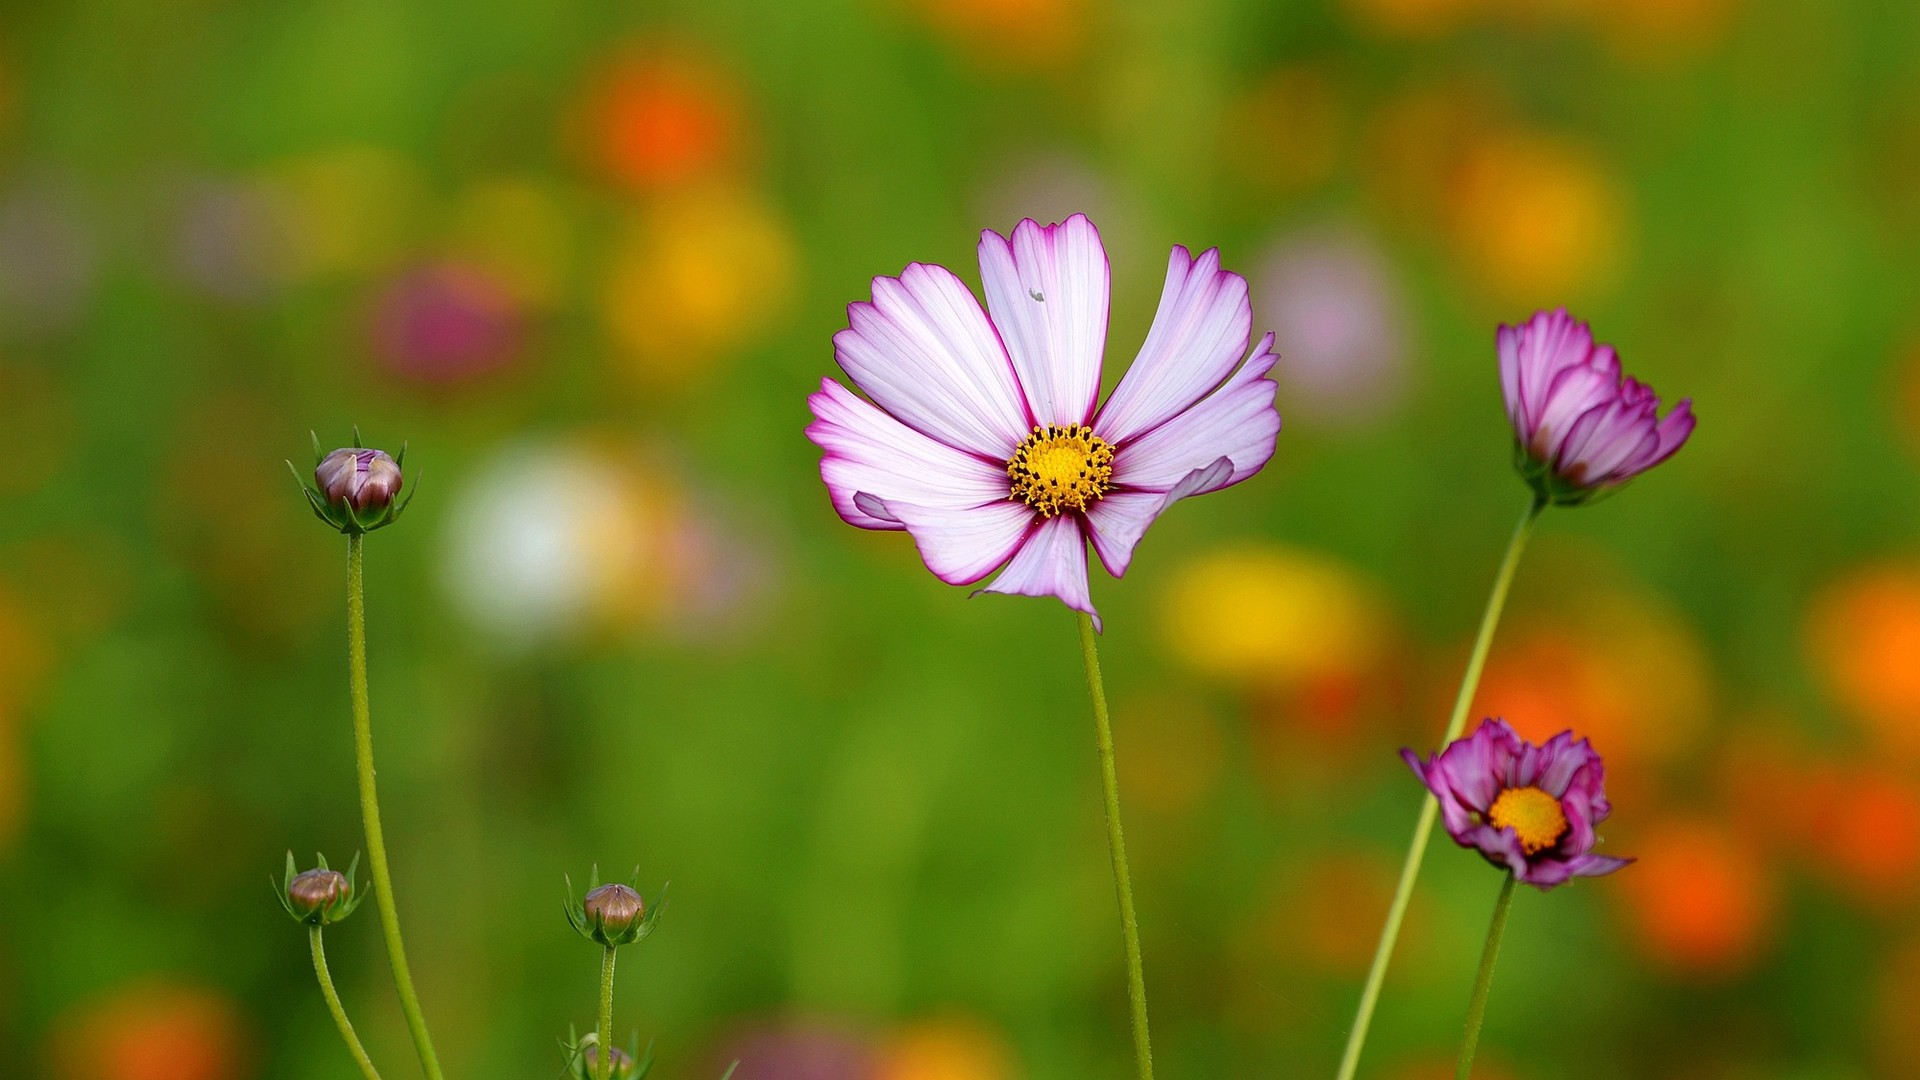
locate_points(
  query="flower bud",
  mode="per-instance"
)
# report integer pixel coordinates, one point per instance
(360, 478)
(312, 890)
(614, 909)
(612, 915)
(619, 1062)
(320, 896)
(356, 489)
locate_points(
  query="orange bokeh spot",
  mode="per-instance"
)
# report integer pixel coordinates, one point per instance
(1700, 899)
(1864, 834)
(1536, 218)
(1329, 916)
(1412, 18)
(1621, 669)
(1864, 635)
(661, 119)
(152, 1030)
(1010, 34)
(944, 1049)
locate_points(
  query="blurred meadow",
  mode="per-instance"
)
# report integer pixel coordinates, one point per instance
(587, 259)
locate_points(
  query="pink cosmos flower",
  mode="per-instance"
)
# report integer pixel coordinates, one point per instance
(984, 438)
(1530, 809)
(1580, 428)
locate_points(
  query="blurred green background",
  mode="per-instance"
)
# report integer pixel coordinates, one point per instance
(588, 258)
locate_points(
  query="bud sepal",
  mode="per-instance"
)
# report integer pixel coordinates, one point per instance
(320, 896)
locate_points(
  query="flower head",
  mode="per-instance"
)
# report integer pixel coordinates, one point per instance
(1530, 809)
(612, 915)
(985, 439)
(320, 896)
(355, 489)
(1580, 428)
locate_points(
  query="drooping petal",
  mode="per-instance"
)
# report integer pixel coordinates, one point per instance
(1237, 422)
(1502, 847)
(1458, 817)
(1047, 292)
(925, 352)
(1119, 520)
(868, 451)
(1201, 328)
(1052, 562)
(960, 545)
(1672, 435)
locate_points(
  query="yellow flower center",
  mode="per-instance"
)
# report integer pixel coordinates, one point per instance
(1059, 468)
(1535, 816)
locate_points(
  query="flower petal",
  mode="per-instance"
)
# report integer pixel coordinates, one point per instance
(1237, 422)
(1119, 520)
(1200, 330)
(1053, 562)
(868, 451)
(925, 352)
(1047, 292)
(963, 545)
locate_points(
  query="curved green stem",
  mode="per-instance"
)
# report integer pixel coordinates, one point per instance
(603, 1066)
(370, 808)
(1477, 1005)
(339, 1011)
(1117, 845)
(1429, 809)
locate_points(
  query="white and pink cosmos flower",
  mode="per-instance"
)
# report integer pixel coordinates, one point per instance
(1580, 427)
(984, 437)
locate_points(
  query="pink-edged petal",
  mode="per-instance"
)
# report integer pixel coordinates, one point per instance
(1549, 343)
(1052, 562)
(1047, 292)
(1200, 330)
(868, 451)
(961, 545)
(1237, 422)
(1574, 393)
(1119, 520)
(1673, 433)
(925, 352)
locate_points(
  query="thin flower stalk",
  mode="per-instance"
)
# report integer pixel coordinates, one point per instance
(370, 808)
(603, 1062)
(1477, 1004)
(334, 1007)
(1430, 809)
(1117, 847)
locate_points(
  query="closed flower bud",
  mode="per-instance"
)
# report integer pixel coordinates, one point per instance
(314, 889)
(320, 896)
(612, 914)
(356, 489)
(619, 1062)
(360, 478)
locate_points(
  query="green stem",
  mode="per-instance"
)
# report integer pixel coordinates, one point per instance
(1429, 809)
(603, 1067)
(1117, 845)
(339, 1011)
(1477, 1006)
(370, 808)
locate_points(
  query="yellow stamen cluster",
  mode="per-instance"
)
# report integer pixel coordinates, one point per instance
(1061, 467)
(1535, 816)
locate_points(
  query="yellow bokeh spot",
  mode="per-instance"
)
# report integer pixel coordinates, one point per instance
(944, 1049)
(699, 275)
(1535, 218)
(1273, 616)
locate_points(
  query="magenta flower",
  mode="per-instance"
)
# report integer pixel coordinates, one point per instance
(1530, 809)
(1580, 428)
(985, 440)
